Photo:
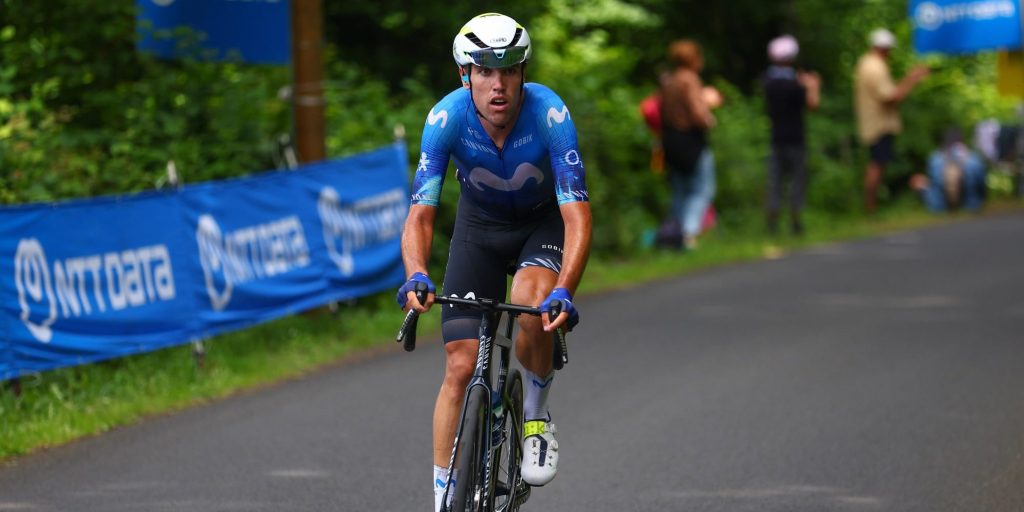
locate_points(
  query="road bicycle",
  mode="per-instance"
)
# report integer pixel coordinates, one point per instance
(483, 472)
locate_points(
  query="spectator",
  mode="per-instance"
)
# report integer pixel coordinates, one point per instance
(877, 101)
(955, 179)
(788, 93)
(686, 119)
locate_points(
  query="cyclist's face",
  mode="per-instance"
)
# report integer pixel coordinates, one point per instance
(496, 92)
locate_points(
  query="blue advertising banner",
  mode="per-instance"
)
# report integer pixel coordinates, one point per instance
(95, 279)
(965, 26)
(259, 31)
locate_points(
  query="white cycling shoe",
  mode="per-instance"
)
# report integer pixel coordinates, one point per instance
(540, 452)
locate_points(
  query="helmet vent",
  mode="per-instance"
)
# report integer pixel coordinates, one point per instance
(476, 40)
(515, 38)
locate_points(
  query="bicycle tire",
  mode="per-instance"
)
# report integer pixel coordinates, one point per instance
(508, 489)
(469, 485)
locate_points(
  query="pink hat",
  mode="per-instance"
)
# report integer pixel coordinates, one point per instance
(783, 49)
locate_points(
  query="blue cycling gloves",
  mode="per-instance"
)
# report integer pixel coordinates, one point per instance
(563, 295)
(410, 286)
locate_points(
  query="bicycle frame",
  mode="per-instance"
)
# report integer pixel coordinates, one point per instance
(482, 377)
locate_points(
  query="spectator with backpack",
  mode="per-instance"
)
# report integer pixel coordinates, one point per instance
(686, 119)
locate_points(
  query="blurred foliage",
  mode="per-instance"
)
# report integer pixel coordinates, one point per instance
(83, 114)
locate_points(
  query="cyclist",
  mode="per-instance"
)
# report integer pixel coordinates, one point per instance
(523, 210)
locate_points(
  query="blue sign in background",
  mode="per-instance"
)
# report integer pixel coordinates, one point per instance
(965, 26)
(258, 30)
(89, 280)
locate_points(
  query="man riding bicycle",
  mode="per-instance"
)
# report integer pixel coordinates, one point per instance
(523, 210)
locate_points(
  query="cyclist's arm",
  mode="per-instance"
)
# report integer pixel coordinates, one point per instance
(417, 236)
(576, 250)
(439, 131)
(559, 133)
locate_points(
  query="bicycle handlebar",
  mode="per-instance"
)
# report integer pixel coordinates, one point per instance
(490, 305)
(407, 333)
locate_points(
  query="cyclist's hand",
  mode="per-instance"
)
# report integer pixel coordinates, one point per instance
(568, 317)
(407, 293)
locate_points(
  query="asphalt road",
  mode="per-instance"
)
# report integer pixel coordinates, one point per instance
(878, 375)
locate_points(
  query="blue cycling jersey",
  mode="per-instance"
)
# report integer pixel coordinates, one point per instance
(539, 163)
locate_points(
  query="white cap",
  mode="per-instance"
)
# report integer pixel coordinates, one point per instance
(882, 38)
(783, 49)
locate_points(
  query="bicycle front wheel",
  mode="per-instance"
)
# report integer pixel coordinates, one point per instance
(469, 458)
(509, 490)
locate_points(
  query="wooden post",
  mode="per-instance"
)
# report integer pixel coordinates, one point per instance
(307, 79)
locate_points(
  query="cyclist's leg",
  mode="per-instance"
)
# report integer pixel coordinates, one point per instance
(540, 262)
(460, 356)
(533, 346)
(460, 329)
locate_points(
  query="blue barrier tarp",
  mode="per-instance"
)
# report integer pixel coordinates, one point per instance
(94, 279)
(256, 31)
(965, 26)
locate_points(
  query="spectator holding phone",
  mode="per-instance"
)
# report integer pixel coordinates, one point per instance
(788, 93)
(877, 99)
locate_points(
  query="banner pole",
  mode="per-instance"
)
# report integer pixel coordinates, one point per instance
(307, 71)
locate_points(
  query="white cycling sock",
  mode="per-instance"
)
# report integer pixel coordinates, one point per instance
(440, 480)
(535, 399)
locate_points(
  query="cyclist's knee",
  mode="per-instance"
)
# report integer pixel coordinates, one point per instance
(530, 325)
(460, 358)
(531, 285)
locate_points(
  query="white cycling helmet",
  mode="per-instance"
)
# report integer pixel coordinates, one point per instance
(491, 40)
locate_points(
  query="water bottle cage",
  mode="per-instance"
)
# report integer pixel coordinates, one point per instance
(498, 419)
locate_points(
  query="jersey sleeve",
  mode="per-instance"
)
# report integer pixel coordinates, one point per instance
(439, 131)
(554, 123)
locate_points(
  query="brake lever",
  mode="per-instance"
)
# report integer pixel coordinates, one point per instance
(561, 355)
(407, 332)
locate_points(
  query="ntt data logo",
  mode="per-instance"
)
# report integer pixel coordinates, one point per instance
(87, 285)
(248, 254)
(352, 226)
(931, 16)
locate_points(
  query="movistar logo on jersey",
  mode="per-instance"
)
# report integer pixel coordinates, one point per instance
(558, 116)
(480, 177)
(433, 118)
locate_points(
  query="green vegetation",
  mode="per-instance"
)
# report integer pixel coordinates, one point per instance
(82, 114)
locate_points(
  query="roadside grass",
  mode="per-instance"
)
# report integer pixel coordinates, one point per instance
(62, 405)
